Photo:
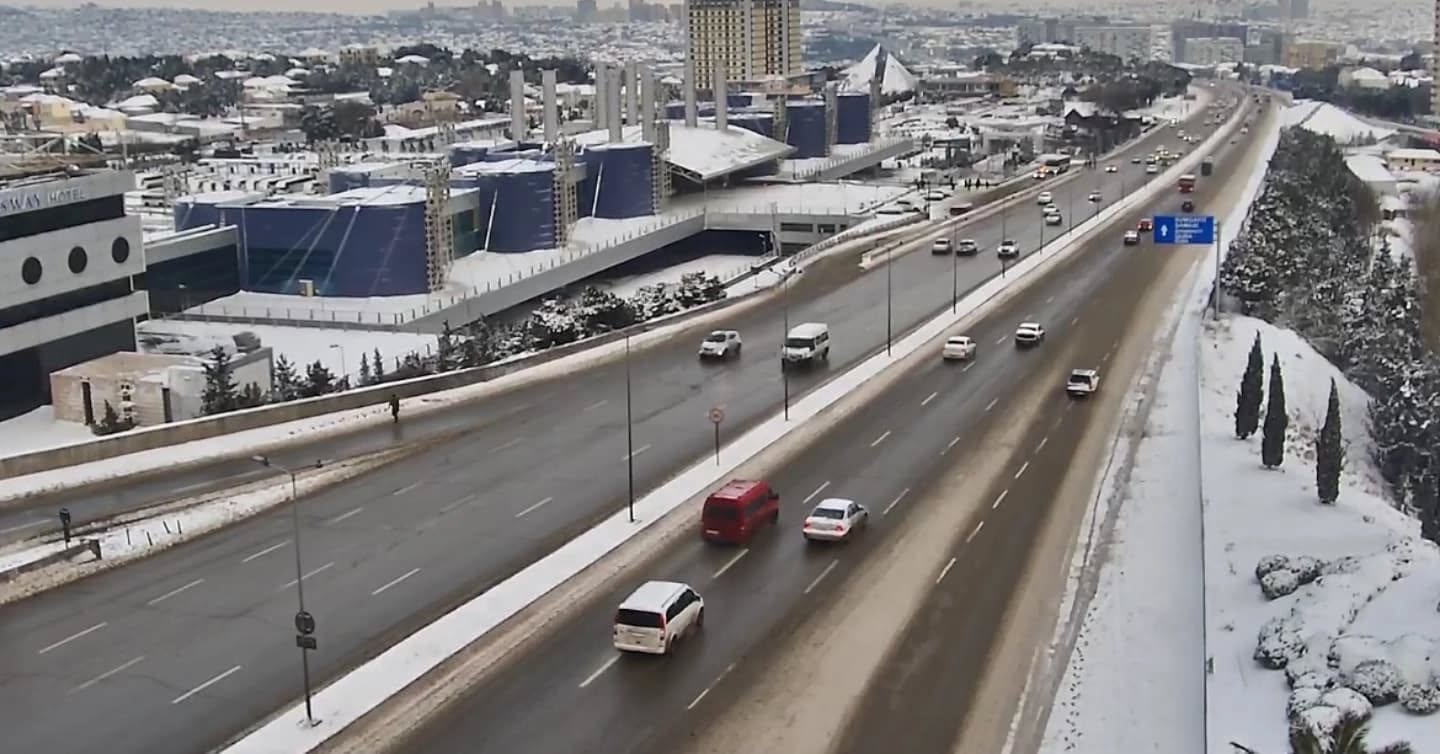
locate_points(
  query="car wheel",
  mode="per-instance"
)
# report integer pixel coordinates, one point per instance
(700, 619)
(737, 348)
(775, 518)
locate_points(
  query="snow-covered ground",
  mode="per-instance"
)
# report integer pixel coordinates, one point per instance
(1325, 118)
(724, 266)
(38, 430)
(339, 350)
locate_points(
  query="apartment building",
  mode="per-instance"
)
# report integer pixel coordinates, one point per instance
(1124, 42)
(1214, 50)
(752, 39)
(1312, 54)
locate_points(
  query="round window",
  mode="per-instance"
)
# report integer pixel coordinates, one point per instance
(78, 260)
(30, 270)
(120, 250)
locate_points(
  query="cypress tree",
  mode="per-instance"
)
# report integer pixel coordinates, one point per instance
(1251, 394)
(1330, 451)
(364, 368)
(377, 364)
(220, 394)
(1272, 445)
(1427, 506)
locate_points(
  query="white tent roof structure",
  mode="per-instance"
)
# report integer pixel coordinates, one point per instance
(894, 78)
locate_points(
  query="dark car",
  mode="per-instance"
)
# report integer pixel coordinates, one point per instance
(1187, 206)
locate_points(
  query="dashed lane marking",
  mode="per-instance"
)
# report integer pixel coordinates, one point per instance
(535, 507)
(812, 495)
(599, 671)
(822, 576)
(929, 398)
(206, 685)
(991, 404)
(108, 674)
(1021, 472)
(406, 488)
(880, 439)
(975, 531)
(896, 501)
(999, 499)
(944, 571)
(345, 515)
(1043, 440)
(732, 561)
(637, 452)
(316, 572)
(73, 637)
(953, 442)
(175, 591)
(264, 552)
(395, 581)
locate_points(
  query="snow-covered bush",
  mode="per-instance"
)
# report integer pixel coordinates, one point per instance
(1346, 564)
(1306, 568)
(1270, 564)
(1348, 701)
(698, 288)
(1420, 699)
(1378, 680)
(1280, 642)
(1301, 699)
(1311, 667)
(600, 311)
(552, 324)
(653, 301)
(1320, 722)
(1277, 584)
(1318, 680)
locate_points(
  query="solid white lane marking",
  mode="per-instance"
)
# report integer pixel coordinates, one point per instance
(822, 576)
(591, 678)
(108, 674)
(206, 685)
(730, 562)
(266, 551)
(395, 581)
(1002, 340)
(975, 531)
(508, 445)
(880, 439)
(74, 636)
(406, 488)
(346, 515)
(316, 572)
(22, 527)
(175, 591)
(996, 504)
(967, 367)
(950, 445)
(637, 452)
(944, 571)
(1021, 472)
(991, 404)
(896, 501)
(596, 405)
(929, 398)
(712, 685)
(812, 495)
(1043, 440)
(534, 507)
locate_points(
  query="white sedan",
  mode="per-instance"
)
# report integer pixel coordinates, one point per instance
(1044, 198)
(1008, 249)
(958, 348)
(835, 519)
(1111, 169)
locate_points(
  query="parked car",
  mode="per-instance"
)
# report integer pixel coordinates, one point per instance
(835, 519)
(720, 344)
(958, 348)
(1029, 334)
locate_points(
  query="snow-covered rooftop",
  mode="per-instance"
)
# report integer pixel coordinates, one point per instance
(704, 151)
(1369, 168)
(1325, 118)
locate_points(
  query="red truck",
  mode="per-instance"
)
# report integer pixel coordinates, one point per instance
(1187, 183)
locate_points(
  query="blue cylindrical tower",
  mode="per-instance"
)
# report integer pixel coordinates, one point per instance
(852, 118)
(760, 123)
(806, 128)
(622, 180)
(465, 154)
(516, 204)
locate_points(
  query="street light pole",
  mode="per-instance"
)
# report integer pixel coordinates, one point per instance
(889, 298)
(344, 371)
(629, 430)
(299, 575)
(785, 333)
(954, 278)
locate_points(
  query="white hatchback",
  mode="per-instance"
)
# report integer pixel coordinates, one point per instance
(835, 519)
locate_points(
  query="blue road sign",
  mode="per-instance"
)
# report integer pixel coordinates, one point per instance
(1184, 229)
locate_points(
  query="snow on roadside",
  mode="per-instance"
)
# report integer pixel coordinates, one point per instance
(723, 265)
(1376, 594)
(181, 522)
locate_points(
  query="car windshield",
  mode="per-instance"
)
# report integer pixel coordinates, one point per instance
(638, 619)
(715, 337)
(958, 341)
(1080, 378)
(828, 513)
(1008, 242)
(799, 343)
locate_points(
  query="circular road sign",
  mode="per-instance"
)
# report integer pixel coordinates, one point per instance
(304, 623)
(717, 415)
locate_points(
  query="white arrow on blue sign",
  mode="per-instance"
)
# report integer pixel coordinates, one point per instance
(1184, 230)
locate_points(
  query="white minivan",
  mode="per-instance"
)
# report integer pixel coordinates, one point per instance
(656, 615)
(806, 344)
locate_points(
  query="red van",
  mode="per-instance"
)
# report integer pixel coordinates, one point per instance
(735, 511)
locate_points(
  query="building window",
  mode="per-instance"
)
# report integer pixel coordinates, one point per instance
(30, 270)
(120, 250)
(78, 260)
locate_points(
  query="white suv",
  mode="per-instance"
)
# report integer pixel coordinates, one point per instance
(1082, 382)
(1008, 249)
(1029, 334)
(655, 616)
(721, 344)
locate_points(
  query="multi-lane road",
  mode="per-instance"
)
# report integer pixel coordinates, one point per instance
(574, 689)
(180, 651)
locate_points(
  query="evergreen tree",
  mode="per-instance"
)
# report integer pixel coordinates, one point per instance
(1272, 445)
(1330, 451)
(1251, 394)
(318, 380)
(364, 368)
(285, 383)
(219, 395)
(1348, 737)
(478, 347)
(445, 356)
(1427, 505)
(378, 365)
(110, 422)
(250, 396)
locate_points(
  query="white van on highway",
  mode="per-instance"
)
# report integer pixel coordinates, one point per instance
(656, 615)
(806, 344)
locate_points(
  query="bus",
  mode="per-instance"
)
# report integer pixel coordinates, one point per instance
(1187, 183)
(1055, 163)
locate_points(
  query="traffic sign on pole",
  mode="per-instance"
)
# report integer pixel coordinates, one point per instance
(717, 415)
(1184, 230)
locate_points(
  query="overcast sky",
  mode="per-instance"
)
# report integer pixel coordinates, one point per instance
(332, 6)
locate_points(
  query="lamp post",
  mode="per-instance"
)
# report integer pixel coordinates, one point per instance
(343, 370)
(889, 299)
(629, 431)
(954, 277)
(785, 333)
(301, 617)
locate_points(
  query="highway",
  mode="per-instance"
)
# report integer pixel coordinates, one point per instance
(573, 689)
(180, 651)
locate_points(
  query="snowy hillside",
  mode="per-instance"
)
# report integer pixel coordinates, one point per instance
(1325, 118)
(1373, 585)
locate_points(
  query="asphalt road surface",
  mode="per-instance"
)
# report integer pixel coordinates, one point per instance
(180, 651)
(574, 689)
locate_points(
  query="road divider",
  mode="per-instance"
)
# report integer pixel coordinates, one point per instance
(432, 664)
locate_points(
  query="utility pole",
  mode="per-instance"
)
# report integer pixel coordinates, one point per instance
(629, 430)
